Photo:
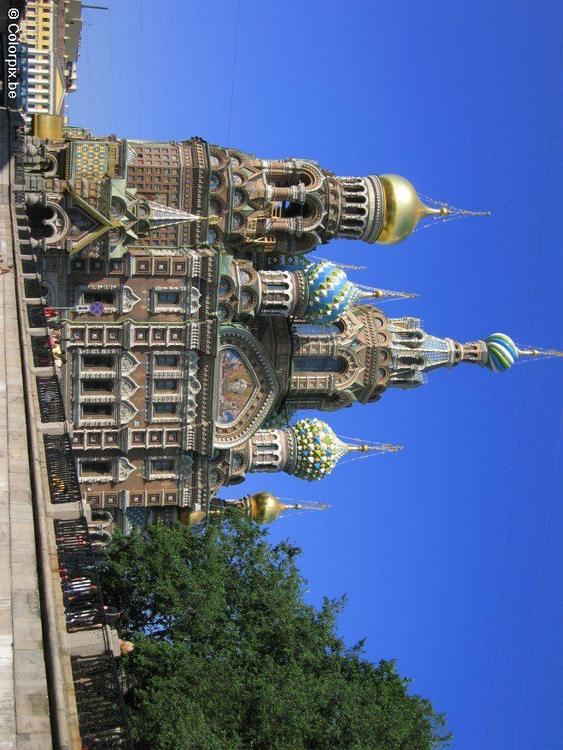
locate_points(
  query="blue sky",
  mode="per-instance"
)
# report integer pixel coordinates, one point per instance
(450, 552)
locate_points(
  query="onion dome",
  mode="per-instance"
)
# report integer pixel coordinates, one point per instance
(330, 292)
(403, 209)
(502, 352)
(265, 507)
(318, 449)
(188, 517)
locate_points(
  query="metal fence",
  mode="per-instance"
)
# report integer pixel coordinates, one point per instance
(36, 316)
(100, 703)
(99, 697)
(32, 288)
(42, 352)
(51, 404)
(61, 469)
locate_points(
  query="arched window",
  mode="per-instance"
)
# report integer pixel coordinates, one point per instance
(319, 364)
(317, 329)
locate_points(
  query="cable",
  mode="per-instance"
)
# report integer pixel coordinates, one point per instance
(234, 66)
(547, 518)
(524, 394)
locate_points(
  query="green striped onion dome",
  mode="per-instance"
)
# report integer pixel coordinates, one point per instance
(317, 449)
(330, 292)
(502, 350)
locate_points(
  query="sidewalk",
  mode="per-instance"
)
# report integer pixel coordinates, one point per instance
(24, 711)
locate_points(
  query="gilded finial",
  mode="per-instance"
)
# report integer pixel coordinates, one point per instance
(404, 209)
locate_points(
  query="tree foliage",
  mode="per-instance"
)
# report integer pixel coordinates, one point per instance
(228, 656)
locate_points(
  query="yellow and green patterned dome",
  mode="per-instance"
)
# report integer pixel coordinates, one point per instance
(317, 449)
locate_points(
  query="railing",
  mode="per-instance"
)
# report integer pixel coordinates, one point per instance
(63, 482)
(32, 288)
(36, 316)
(42, 352)
(99, 700)
(50, 401)
(99, 697)
(102, 719)
(82, 597)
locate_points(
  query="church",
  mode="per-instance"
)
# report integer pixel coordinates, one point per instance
(195, 330)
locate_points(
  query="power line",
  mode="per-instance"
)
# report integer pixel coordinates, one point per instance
(546, 523)
(524, 395)
(234, 66)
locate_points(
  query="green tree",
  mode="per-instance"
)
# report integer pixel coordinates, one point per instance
(228, 656)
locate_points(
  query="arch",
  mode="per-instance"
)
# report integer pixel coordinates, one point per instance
(49, 222)
(311, 176)
(327, 363)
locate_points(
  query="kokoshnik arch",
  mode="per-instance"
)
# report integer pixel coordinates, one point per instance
(197, 328)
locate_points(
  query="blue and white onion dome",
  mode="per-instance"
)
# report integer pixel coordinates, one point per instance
(330, 292)
(503, 352)
(318, 449)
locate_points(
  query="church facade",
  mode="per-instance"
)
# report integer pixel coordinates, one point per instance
(195, 331)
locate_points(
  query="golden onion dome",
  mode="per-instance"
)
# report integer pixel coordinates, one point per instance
(403, 209)
(265, 507)
(189, 517)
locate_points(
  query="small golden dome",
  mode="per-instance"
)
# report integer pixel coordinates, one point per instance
(265, 507)
(189, 517)
(403, 209)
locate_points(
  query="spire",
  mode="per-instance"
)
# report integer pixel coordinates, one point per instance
(165, 216)
(403, 209)
(367, 293)
(330, 292)
(263, 507)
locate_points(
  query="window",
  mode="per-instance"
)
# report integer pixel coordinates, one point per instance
(97, 410)
(95, 469)
(91, 385)
(165, 385)
(166, 360)
(319, 364)
(172, 436)
(98, 295)
(165, 407)
(168, 298)
(163, 465)
(98, 361)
